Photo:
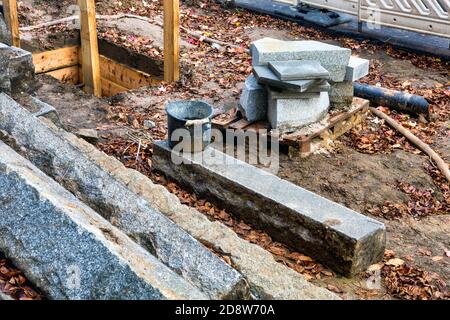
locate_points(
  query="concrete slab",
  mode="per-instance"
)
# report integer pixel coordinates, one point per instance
(298, 70)
(333, 58)
(345, 240)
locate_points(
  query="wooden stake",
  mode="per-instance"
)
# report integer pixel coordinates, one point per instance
(12, 20)
(89, 48)
(171, 40)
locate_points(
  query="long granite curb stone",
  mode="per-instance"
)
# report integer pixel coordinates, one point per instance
(342, 239)
(123, 208)
(67, 249)
(268, 279)
(5, 83)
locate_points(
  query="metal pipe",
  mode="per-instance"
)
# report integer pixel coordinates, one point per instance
(393, 99)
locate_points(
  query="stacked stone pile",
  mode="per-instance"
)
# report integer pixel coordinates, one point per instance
(294, 83)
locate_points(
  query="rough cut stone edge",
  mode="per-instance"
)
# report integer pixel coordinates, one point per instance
(357, 68)
(127, 271)
(111, 198)
(268, 279)
(342, 239)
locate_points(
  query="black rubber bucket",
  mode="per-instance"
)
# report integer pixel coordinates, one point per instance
(192, 120)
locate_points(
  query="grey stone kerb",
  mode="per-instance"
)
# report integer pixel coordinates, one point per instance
(267, 278)
(124, 209)
(67, 249)
(345, 240)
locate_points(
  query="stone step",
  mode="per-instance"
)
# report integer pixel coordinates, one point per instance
(69, 251)
(123, 208)
(344, 240)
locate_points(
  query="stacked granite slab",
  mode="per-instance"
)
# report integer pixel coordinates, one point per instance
(341, 94)
(295, 82)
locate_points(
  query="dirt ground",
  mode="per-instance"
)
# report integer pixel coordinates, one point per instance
(392, 178)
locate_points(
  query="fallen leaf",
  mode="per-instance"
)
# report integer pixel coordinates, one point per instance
(375, 267)
(334, 288)
(395, 262)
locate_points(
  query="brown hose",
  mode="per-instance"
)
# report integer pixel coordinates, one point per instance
(441, 164)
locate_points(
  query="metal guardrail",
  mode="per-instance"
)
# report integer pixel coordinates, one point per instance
(424, 16)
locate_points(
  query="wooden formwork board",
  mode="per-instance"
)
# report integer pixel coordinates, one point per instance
(55, 59)
(299, 142)
(65, 65)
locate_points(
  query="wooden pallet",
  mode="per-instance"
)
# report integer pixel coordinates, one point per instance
(299, 143)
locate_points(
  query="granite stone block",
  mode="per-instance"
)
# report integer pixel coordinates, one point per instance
(344, 240)
(298, 70)
(333, 58)
(357, 68)
(341, 95)
(253, 102)
(67, 249)
(265, 76)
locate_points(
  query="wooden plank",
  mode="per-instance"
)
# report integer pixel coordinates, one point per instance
(110, 88)
(89, 48)
(124, 75)
(224, 119)
(259, 126)
(55, 59)
(66, 75)
(12, 20)
(239, 125)
(171, 40)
